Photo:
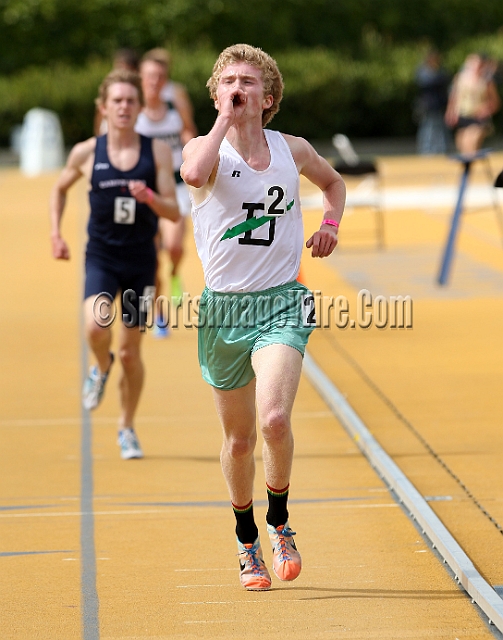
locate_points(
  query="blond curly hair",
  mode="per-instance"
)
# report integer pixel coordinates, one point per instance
(271, 76)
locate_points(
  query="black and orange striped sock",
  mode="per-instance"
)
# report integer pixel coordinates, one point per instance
(277, 513)
(246, 529)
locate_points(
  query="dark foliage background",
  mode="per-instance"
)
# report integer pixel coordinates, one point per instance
(348, 65)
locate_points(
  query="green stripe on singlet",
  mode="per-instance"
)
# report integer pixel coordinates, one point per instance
(250, 224)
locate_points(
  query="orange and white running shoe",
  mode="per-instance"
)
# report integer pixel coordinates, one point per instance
(254, 575)
(286, 561)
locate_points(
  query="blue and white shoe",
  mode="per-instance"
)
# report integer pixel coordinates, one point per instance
(129, 444)
(94, 386)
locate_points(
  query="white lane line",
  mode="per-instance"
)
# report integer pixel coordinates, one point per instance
(75, 422)
(208, 621)
(234, 570)
(41, 422)
(203, 602)
(207, 569)
(72, 514)
(203, 586)
(171, 509)
(463, 568)
(234, 602)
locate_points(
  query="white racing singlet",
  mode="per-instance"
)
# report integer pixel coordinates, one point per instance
(168, 93)
(248, 231)
(169, 129)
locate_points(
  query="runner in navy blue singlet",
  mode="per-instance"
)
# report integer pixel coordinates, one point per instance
(131, 187)
(120, 254)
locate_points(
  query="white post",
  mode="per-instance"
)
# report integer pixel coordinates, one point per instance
(41, 143)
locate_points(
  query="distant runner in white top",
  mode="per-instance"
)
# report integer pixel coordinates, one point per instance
(254, 318)
(167, 115)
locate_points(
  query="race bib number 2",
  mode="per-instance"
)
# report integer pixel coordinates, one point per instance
(308, 310)
(124, 210)
(275, 200)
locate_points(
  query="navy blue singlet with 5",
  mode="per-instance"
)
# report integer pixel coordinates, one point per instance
(117, 220)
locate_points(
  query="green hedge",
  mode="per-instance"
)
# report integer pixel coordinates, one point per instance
(325, 92)
(68, 91)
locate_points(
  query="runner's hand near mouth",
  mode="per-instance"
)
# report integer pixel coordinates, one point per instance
(235, 105)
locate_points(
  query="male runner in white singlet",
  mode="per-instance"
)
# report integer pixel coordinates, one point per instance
(167, 115)
(254, 317)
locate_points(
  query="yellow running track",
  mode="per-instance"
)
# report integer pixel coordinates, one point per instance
(94, 547)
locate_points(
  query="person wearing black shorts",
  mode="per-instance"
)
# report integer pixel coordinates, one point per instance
(131, 187)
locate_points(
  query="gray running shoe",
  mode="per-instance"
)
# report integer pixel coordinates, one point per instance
(129, 444)
(94, 386)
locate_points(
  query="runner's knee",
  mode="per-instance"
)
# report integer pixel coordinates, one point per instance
(129, 356)
(275, 426)
(240, 446)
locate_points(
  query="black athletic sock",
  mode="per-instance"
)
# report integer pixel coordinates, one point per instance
(277, 513)
(246, 529)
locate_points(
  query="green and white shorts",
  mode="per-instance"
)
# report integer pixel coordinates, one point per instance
(232, 326)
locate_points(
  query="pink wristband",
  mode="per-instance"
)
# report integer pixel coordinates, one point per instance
(150, 195)
(332, 223)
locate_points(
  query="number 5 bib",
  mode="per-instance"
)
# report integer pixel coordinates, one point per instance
(124, 210)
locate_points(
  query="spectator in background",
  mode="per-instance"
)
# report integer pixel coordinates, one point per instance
(432, 81)
(473, 100)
